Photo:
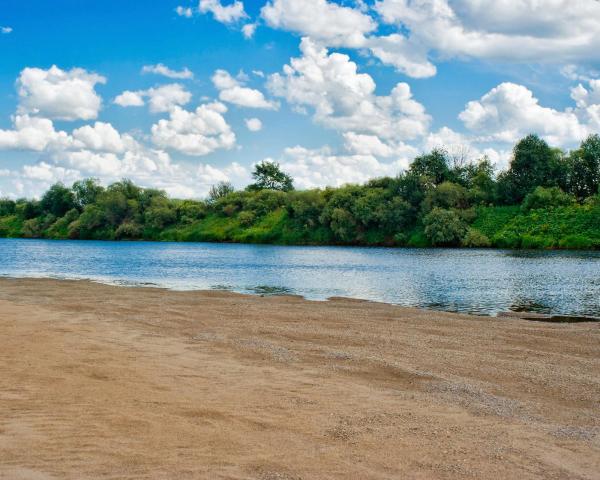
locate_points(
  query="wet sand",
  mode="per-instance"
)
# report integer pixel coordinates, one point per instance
(102, 382)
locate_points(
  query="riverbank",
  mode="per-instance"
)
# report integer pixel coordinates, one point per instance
(110, 382)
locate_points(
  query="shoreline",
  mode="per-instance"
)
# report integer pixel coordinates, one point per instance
(315, 245)
(96, 379)
(521, 314)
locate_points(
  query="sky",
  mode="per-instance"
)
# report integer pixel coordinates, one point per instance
(181, 95)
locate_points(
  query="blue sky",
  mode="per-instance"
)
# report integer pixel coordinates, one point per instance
(342, 92)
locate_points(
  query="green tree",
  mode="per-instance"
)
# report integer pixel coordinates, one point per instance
(219, 191)
(534, 164)
(584, 168)
(433, 167)
(86, 192)
(444, 227)
(546, 198)
(58, 200)
(446, 195)
(7, 207)
(269, 176)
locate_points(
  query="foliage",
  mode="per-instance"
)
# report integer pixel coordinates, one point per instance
(474, 238)
(546, 199)
(444, 227)
(269, 176)
(220, 190)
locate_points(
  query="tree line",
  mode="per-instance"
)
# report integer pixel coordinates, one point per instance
(545, 199)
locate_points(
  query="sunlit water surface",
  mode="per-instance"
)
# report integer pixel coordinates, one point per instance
(475, 281)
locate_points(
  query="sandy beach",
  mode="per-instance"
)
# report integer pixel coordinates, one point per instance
(104, 382)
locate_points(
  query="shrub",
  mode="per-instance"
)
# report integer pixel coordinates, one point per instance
(474, 238)
(578, 242)
(129, 230)
(506, 240)
(444, 227)
(246, 218)
(546, 198)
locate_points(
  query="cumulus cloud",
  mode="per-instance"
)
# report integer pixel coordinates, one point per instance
(327, 22)
(32, 133)
(160, 69)
(184, 11)
(249, 29)
(373, 145)
(6, 30)
(333, 25)
(198, 132)
(130, 99)
(160, 99)
(344, 99)
(231, 90)
(223, 13)
(59, 94)
(253, 124)
(313, 168)
(100, 137)
(510, 111)
(527, 30)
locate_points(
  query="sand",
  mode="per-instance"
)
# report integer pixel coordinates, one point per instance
(104, 382)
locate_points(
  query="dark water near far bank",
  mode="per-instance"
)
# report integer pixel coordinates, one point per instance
(474, 281)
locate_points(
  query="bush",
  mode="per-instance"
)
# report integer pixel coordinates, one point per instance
(546, 198)
(129, 230)
(444, 227)
(418, 240)
(474, 238)
(536, 242)
(246, 218)
(506, 240)
(577, 242)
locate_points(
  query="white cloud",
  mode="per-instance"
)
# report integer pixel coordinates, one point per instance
(59, 94)
(160, 69)
(326, 22)
(406, 55)
(160, 99)
(184, 11)
(372, 145)
(588, 103)
(223, 13)
(510, 111)
(232, 91)
(130, 99)
(525, 30)
(195, 133)
(32, 133)
(49, 173)
(100, 137)
(166, 97)
(313, 168)
(6, 30)
(344, 99)
(253, 124)
(249, 29)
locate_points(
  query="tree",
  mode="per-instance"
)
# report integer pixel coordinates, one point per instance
(58, 200)
(269, 176)
(7, 207)
(584, 168)
(534, 164)
(432, 166)
(546, 198)
(444, 227)
(220, 190)
(86, 192)
(446, 195)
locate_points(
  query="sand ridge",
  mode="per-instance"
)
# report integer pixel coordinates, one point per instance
(109, 382)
